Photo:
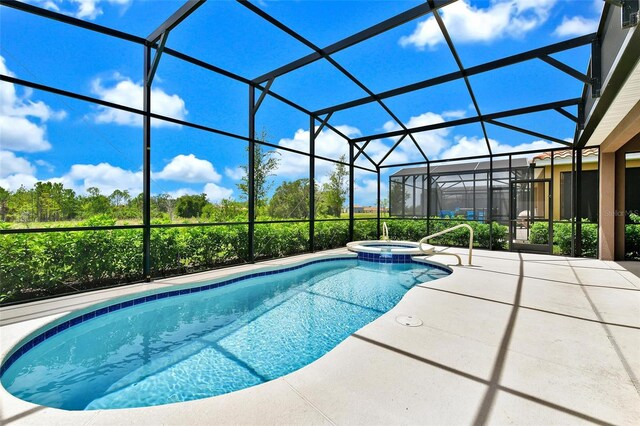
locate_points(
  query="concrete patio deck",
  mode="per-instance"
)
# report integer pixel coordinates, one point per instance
(513, 339)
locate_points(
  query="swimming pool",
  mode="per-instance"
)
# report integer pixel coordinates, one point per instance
(207, 340)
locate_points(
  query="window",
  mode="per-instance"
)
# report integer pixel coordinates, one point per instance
(589, 199)
(632, 193)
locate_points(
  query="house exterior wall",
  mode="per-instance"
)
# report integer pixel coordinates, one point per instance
(588, 163)
(612, 200)
(620, 208)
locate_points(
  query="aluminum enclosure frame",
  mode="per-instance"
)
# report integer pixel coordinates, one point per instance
(154, 46)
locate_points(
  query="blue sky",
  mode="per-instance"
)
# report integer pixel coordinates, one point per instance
(49, 137)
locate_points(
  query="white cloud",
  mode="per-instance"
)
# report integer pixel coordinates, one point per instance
(107, 178)
(19, 132)
(468, 24)
(455, 114)
(188, 168)
(377, 149)
(10, 165)
(14, 182)
(328, 144)
(472, 146)
(216, 193)
(16, 172)
(103, 176)
(83, 9)
(468, 147)
(530, 146)
(576, 26)
(180, 192)
(331, 145)
(126, 92)
(50, 167)
(431, 142)
(436, 144)
(235, 173)
(322, 179)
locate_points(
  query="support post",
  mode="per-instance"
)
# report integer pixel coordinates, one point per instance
(490, 203)
(312, 182)
(512, 213)
(378, 225)
(390, 183)
(578, 204)
(428, 199)
(414, 195)
(251, 193)
(551, 205)
(475, 214)
(573, 202)
(596, 69)
(404, 197)
(351, 189)
(423, 207)
(146, 168)
(607, 206)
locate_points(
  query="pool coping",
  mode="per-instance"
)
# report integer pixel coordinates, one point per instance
(365, 246)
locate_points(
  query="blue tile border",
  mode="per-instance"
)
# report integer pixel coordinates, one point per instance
(385, 257)
(58, 328)
(398, 258)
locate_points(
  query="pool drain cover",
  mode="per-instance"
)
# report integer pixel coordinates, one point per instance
(409, 321)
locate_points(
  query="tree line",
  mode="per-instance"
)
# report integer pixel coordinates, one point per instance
(51, 202)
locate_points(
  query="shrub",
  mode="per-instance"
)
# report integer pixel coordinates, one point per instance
(632, 241)
(589, 240)
(40, 264)
(331, 234)
(460, 237)
(539, 233)
(366, 229)
(563, 237)
(280, 239)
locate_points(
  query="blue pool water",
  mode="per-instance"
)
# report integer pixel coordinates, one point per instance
(212, 342)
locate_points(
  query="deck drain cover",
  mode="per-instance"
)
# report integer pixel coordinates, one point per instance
(409, 321)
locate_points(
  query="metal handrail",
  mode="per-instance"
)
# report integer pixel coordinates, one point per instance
(385, 231)
(437, 234)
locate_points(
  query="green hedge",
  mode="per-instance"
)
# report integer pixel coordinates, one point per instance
(411, 230)
(460, 237)
(280, 239)
(632, 242)
(414, 230)
(191, 249)
(41, 264)
(562, 237)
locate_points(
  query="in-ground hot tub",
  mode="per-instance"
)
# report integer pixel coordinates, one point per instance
(389, 251)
